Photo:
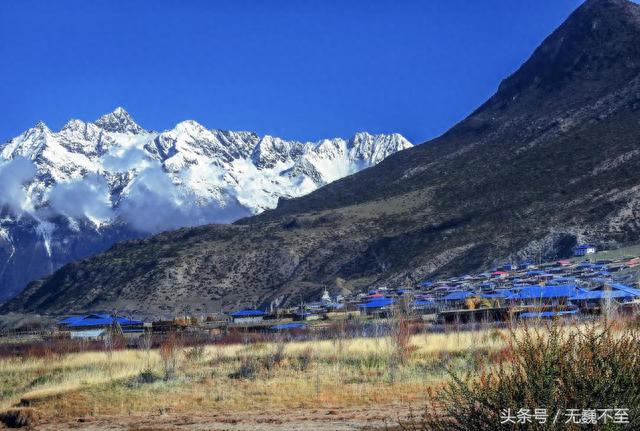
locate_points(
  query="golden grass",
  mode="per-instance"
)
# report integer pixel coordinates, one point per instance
(348, 372)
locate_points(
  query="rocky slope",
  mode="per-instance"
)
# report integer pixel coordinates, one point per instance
(550, 160)
(72, 193)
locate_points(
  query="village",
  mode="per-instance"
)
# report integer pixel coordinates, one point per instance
(588, 285)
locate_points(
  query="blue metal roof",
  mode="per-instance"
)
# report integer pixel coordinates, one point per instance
(547, 314)
(96, 320)
(248, 313)
(502, 293)
(540, 292)
(561, 280)
(285, 326)
(423, 302)
(600, 294)
(377, 303)
(457, 296)
(625, 288)
(68, 320)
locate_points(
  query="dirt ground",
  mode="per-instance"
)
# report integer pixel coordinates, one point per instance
(321, 419)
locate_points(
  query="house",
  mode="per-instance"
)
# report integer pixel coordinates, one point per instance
(544, 295)
(306, 316)
(595, 298)
(95, 326)
(584, 249)
(376, 306)
(478, 315)
(497, 294)
(289, 326)
(424, 306)
(247, 316)
(617, 292)
(456, 299)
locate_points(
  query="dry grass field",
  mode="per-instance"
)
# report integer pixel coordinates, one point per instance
(370, 381)
(431, 381)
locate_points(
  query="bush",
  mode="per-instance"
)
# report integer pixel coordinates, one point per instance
(195, 354)
(276, 357)
(305, 358)
(400, 336)
(544, 368)
(19, 417)
(248, 369)
(147, 376)
(169, 355)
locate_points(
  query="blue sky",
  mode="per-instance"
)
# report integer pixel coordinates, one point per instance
(296, 69)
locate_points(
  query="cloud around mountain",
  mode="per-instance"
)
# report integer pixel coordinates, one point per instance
(113, 171)
(14, 174)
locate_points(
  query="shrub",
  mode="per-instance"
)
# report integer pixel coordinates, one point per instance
(147, 376)
(305, 358)
(275, 358)
(19, 417)
(248, 369)
(544, 368)
(195, 354)
(169, 355)
(400, 336)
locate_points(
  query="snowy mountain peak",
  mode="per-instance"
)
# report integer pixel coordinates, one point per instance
(113, 173)
(94, 183)
(190, 127)
(41, 126)
(73, 125)
(271, 150)
(119, 121)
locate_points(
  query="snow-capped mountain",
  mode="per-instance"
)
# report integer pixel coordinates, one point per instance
(71, 193)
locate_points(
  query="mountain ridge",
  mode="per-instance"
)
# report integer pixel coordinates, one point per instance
(549, 161)
(114, 180)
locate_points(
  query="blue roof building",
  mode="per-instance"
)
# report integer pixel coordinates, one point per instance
(288, 326)
(584, 249)
(599, 295)
(497, 294)
(247, 313)
(547, 294)
(459, 295)
(376, 305)
(97, 321)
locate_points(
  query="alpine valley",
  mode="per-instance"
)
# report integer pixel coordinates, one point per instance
(73, 193)
(551, 160)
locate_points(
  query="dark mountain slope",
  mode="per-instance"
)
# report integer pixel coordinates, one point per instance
(578, 71)
(551, 159)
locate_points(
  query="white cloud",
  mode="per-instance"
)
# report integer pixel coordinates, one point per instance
(87, 197)
(14, 176)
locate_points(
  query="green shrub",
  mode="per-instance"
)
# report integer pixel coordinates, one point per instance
(550, 368)
(147, 376)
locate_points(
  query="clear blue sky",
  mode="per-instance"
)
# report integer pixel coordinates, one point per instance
(297, 69)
